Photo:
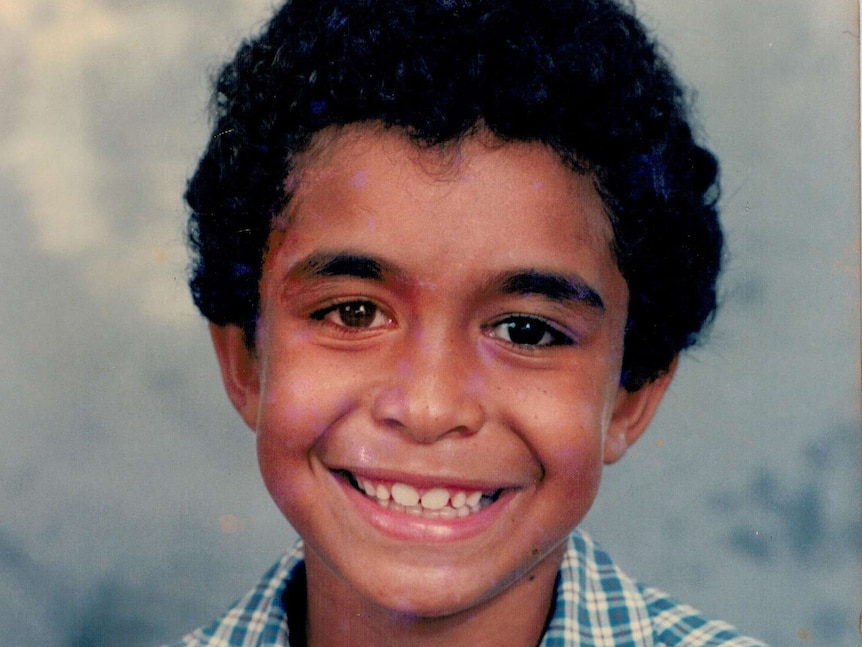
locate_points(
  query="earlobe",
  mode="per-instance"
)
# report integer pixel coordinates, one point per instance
(239, 370)
(633, 412)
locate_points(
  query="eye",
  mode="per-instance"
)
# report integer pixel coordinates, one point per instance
(522, 330)
(352, 314)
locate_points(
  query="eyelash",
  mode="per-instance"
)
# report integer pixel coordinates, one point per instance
(548, 333)
(534, 325)
(375, 311)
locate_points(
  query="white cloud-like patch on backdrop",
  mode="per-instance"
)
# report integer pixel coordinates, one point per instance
(48, 151)
(87, 88)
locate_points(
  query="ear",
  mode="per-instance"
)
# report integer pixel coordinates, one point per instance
(239, 371)
(633, 411)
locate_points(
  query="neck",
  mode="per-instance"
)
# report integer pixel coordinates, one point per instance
(515, 617)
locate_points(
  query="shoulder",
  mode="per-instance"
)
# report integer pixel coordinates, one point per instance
(258, 618)
(599, 605)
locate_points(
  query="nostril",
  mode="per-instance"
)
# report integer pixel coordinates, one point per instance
(460, 429)
(394, 424)
(390, 406)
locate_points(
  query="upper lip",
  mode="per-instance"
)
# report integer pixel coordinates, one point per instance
(421, 481)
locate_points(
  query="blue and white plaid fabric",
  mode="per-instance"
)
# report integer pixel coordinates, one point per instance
(597, 605)
(600, 606)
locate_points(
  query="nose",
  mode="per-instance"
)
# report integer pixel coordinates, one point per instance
(434, 390)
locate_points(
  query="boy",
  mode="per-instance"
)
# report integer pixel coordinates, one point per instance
(450, 251)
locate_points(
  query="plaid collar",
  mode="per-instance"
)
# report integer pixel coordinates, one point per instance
(597, 605)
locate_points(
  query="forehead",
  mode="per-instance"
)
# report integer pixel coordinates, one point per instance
(478, 203)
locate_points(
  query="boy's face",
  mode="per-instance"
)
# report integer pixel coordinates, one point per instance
(436, 325)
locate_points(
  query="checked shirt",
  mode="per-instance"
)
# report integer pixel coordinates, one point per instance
(597, 605)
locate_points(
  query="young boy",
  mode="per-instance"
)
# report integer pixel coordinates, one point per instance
(450, 251)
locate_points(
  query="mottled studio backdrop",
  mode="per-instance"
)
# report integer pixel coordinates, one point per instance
(130, 506)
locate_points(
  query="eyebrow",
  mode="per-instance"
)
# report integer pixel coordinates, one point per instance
(555, 287)
(341, 263)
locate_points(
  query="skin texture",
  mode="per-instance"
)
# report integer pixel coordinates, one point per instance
(427, 386)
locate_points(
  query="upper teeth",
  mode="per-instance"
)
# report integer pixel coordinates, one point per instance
(436, 501)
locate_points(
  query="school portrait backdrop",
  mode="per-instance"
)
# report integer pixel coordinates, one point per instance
(131, 508)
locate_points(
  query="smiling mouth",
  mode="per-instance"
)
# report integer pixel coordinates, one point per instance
(431, 503)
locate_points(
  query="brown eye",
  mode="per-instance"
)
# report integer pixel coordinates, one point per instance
(529, 331)
(360, 314)
(352, 314)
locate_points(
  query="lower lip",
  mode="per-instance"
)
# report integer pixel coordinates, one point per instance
(407, 527)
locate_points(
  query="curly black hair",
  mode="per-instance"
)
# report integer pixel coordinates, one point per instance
(580, 76)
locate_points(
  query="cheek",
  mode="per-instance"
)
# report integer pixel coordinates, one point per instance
(297, 409)
(579, 464)
(567, 434)
(572, 479)
(564, 415)
(301, 393)
(292, 410)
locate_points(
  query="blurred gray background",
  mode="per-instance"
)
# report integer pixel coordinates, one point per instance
(130, 505)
